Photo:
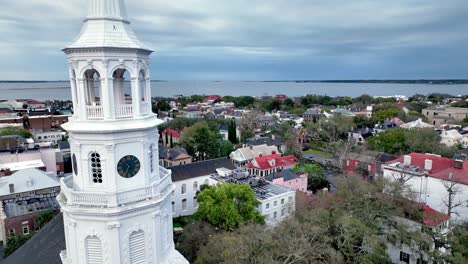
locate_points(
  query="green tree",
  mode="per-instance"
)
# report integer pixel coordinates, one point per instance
(202, 140)
(459, 244)
(43, 218)
(196, 235)
(391, 141)
(289, 103)
(15, 242)
(226, 148)
(232, 132)
(382, 115)
(315, 176)
(15, 131)
(227, 206)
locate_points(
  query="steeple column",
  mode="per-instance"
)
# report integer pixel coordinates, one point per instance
(136, 96)
(106, 99)
(81, 98)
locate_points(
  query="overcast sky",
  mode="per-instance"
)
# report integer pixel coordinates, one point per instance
(254, 39)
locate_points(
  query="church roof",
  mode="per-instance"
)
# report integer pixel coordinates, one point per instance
(43, 248)
(106, 26)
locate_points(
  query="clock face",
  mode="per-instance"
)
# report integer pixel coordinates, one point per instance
(74, 164)
(128, 166)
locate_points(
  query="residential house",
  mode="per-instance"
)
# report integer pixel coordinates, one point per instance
(416, 125)
(277, 203)
(386, 125)
(312, 115)
(364, 169)
(276, 141)
(434, 180)
(171, 157)
(452, 138)
(266, 165)
(170, 137)
(438, 116)
(240, 157)
(360, 135)
(212, 98)
(431, 219)
(23, 195)
(52, 136)
(14, 143)
(188, 180)
(289, 179)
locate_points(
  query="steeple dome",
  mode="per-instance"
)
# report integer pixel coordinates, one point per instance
(107, 26)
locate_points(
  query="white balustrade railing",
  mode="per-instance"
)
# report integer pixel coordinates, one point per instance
(94, 112)
(155, 190)
(125, 110)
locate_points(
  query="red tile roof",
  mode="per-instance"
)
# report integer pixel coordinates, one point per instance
(265, 162)
(171, 132)
(432, 217)
(34, 102)
(441, 167)
(212, 98)
(281, 96)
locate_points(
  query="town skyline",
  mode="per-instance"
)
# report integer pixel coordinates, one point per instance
(238, 41)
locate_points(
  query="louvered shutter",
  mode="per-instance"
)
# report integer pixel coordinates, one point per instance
(93, 250)
(137, 248)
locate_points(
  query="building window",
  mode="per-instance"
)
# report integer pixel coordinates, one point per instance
(195, 186)
(282, 201)
(93, 248)
(268, 206)
(96, 168)
(283, 212)
(136, 247)
(404, 257)
(173, 207)
(151, 158)
(25, 230)
(184, 204)
(274, 215)
(183, 189)
(275, 203)
(11, 232)
(289, 199)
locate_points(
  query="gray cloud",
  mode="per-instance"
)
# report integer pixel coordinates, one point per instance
(276, 39)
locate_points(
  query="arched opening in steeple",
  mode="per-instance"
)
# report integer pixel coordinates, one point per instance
(93, 88)
(93, 92)
(123, 97)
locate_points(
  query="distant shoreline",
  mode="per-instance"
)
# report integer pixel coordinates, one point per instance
(422, 81)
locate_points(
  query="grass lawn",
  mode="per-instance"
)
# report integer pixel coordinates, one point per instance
(319, 153)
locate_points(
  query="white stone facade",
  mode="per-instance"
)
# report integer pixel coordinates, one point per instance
(117, 204)
(184, 199)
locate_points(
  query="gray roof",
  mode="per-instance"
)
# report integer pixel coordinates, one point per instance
(312, 112)
(173, 152)
(265, 140)
(287, 175)
(198, 169)
(43, 248)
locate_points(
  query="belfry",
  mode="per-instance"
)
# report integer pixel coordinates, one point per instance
(117, 203)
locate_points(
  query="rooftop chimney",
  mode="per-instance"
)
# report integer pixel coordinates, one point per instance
(407, 160)
(428, 165)
(12, 187)
(458, 164)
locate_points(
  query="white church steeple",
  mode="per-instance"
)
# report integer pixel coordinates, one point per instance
(117, 204)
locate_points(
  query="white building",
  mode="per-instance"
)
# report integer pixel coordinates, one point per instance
(22, 196)
(434, 180)
(276, 202)
(117, 204)
(242, 156)
(189, 179)
(410, 254)
(48, 136)
(453, 137)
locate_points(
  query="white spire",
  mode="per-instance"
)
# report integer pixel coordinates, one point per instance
(99, 9)
(107, 25)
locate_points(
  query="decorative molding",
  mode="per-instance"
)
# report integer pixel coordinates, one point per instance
(113, 225)
(110, 147)
(89, 64)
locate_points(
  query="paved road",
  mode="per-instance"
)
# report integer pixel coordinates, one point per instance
(330, 175)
